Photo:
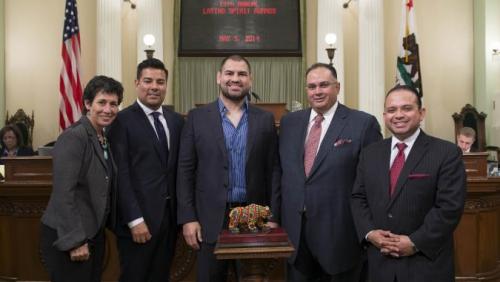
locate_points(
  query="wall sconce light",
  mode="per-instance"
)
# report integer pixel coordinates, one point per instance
(346, 4)
(132, 4)
(330, 39)
(495, 48)
(149, 40)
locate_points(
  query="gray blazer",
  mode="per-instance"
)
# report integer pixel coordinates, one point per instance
(81, 187)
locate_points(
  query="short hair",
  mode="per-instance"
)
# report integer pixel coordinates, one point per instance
(237, 58)
(407, 88)
(332, 70)
(467, 132)
(151, 64)
(17, 132)
(101, 83)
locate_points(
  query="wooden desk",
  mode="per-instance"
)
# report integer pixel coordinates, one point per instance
(257, 262)
(477, 237)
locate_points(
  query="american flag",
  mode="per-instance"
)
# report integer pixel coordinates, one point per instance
(70, 87)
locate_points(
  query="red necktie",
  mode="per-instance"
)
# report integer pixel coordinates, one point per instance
(397, 166)
(312, 143)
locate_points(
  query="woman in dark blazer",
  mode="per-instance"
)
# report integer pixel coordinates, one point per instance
(83, 193)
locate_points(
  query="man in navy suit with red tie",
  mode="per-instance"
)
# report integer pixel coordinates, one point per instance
(408, 197)
(319, 149)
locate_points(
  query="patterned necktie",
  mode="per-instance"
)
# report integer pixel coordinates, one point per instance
(162, 136)
(312, 143)
(397, 166)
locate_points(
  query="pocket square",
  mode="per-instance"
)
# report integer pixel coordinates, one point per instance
(418, 175)
(341, 142)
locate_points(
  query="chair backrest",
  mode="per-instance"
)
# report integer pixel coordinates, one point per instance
(25, 124)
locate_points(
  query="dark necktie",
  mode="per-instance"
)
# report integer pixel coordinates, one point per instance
(397, 166)
(312, 143)
(162, 136)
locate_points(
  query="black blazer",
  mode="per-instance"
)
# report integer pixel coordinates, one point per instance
(81, 187)
(427, 206)
(203, 173)
(327, 190)
(145, 182)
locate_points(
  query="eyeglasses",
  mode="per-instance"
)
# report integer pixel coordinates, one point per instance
(321, 85)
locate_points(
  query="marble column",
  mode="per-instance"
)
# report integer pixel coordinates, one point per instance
(2, 62)
(371, 58)
(109, 38)
(150, 21)
(330, 20)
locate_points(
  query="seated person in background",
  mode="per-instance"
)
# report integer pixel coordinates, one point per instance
(11, 141)
(466, 137)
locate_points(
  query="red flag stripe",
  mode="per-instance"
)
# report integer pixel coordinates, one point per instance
(70, 87)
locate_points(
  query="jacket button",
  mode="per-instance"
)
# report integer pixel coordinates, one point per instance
(389, 215)
(107, 178)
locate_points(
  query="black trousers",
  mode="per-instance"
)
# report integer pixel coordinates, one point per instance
(151, 261)
(59, 264)
(209, 268)
(307, 269)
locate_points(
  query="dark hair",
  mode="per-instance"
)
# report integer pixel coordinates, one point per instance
(101, 83)
(236, 58)
(407, 88)
(17, 132)
(332, 70)
(151, 64)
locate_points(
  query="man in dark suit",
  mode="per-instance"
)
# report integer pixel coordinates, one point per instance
(319, 150)
(408, 197)
(145, 141)
(227, 158)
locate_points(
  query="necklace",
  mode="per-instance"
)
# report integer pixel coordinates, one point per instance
(104, 145)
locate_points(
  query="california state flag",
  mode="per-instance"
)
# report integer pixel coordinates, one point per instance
(408, 62)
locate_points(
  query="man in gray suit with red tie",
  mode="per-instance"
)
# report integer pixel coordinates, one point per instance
(319, 150)
(408, 197)
(145, 141)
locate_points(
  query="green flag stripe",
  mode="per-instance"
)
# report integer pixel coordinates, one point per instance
(405, 75)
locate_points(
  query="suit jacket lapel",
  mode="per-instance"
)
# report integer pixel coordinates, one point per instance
(383, 164)
(95, 142)
(302, 127)
(252, 128)
(214, 121)
(146, 124)
(336, 126)
(172, 130)
(417, 152)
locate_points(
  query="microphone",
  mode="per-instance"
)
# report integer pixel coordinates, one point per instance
(254, 95)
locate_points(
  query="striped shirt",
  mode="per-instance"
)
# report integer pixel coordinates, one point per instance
(236, 143)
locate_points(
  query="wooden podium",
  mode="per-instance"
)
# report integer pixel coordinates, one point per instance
(277, 109)
(477, 237)
(258, 253)
(476, 164)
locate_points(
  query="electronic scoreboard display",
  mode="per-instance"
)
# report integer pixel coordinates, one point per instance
(252, 28)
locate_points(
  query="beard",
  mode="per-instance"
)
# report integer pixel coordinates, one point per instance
(234, 97)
